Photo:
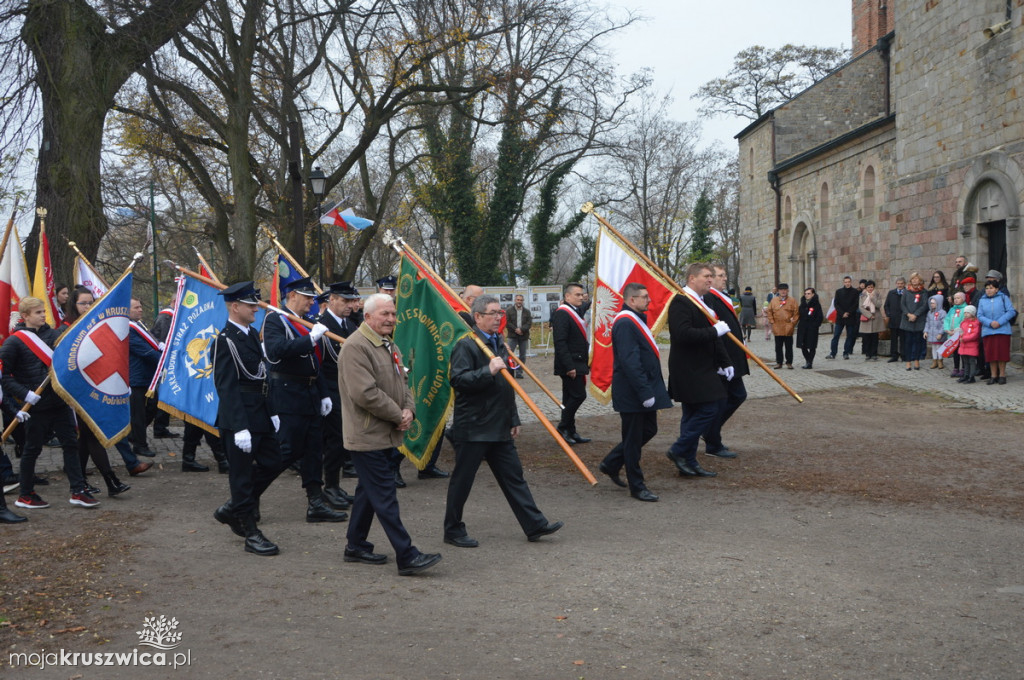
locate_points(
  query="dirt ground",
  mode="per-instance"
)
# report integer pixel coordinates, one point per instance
(867, 533)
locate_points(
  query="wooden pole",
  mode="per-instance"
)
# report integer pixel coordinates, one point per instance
(589, 208)
(25, 407)
(206, 265)
(220, 286)
(438, 280)
(291, 260)
(74, 246)
(587, 474)
(10, 227)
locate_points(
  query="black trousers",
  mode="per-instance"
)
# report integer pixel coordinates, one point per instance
(736, 394)
(697, 418)
(376, 495)
(248, 472)
(301, 439)
(190, 442)
(784, 345)
(503, 460)
(143, 410)
(574, 393)
(89, 447)
(869, 344)
(60, 422)
(334, 454)
(894, 342)
(637, 429)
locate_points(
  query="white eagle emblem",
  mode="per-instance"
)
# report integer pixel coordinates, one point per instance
(607, 305)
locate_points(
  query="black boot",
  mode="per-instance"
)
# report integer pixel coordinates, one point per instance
(337, 498)
(188, 459)
(8, 517)
(318, 511)
(255, 542)
(114, 485)
(222, 460)
(225, 515)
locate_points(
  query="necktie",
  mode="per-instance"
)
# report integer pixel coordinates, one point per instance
(494, 344)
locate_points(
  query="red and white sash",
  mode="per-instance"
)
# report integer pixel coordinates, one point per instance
(697, 300)
(726, 300)
(575, 317)
(42, 351)
(302, 330)
(144, 334)
(626, 314)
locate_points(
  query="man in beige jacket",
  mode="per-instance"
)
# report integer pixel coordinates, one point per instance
(783, 313)
(377, 409)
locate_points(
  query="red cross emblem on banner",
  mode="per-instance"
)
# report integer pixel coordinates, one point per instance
(104, 358)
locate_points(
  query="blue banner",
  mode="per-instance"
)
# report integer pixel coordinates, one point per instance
(286, 273)
(90, 365)
(184, 380)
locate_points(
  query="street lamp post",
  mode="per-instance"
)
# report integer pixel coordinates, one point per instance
(318, 182)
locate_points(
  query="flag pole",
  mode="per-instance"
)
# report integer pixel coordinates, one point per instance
(202, 261)
(74, 246)
(10, 227)
(220, 286)
(291, 260)
(438, 280)
(399, 245)
(589, 208)
(42, 386)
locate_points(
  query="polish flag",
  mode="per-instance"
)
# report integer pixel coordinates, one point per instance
(617, 265)
(88, 277)
(831, 316)
(14, 283)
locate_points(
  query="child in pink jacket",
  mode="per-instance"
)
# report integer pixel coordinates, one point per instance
(970, 343)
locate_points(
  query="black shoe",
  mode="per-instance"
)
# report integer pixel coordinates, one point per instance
(578, 439)
(807, 365)
(419, 563)
(846, 356)
(255, 541)
(1002, 380)
(223, 467)
(544, 531)
(432, 473)
(645, 495)
(165, 434)
(317, 511)
(399, 482)
(723, 453)
(685, 469)
(192, 466)
(40, 481)
(348, 471)
(145, 451)
(336, 498)
(830, 357)
(893, 360)
(963, 379)
(116, 487)
(224, 515)
(990, 381)
(614, 476)
(364, 556)
(566, 435)
(8, 517)
(92, 490)
(461, 541)
(701, 472)
(972, 380)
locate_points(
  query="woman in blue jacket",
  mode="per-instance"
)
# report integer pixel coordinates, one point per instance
(994, 312)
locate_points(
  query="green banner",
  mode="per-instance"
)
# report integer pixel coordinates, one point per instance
(427, 330)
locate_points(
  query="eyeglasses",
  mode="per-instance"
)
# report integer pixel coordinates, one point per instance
(500, 312)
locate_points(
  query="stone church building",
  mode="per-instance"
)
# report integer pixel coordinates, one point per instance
(906, 156)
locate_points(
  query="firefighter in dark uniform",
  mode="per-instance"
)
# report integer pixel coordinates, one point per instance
(299, 395)
(338, 301)
(244, 417)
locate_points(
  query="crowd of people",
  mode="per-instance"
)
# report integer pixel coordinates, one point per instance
(940, 319)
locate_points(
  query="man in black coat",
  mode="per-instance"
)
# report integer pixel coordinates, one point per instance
(893, 313)
(143, 356)
(244, 417)
(484, 426)
(638, 390)
(847, 304)
(518, 323)
(696, 360)
(338, 302)
(572, 350)
(299, 394)
(736, 391)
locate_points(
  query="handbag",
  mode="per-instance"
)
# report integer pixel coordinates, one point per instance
(864, 319)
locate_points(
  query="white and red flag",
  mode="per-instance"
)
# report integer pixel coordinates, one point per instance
(346, 219)
(89, 278)
(831, 315)
(617, 264)
(14, 283)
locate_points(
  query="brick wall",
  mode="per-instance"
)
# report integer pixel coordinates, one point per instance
(871, 20)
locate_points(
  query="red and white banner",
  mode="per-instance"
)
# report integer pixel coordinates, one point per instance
(14, 284)
(617, 264)
(831, 315)
(87, 277)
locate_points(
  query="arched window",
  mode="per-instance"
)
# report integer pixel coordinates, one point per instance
(869, 192)
(787, 213)
(751, 163)
(823, 203)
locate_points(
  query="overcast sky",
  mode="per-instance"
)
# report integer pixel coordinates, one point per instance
(687, 43)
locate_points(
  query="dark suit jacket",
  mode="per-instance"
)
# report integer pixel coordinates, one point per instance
(571, 345)
(892, 308)
(510, 319)
(329, 350)
(636, 372)
(142, 360)
(696, 354)
(241, 406)
(291, 354)
(485, 404)
(736, 354)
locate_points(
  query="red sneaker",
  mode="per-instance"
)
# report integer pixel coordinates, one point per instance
(31, 501)
(85, 499)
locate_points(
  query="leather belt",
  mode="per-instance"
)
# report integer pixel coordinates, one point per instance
(302, 379)
(255, 389)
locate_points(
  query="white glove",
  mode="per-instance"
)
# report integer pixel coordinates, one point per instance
(325, 406)
(721, 328)
(276, 420)
(32, 398)
(649, 403)
(728, 372)
(317, 332)
(161, 346)
(243, 440)
(22, 416)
